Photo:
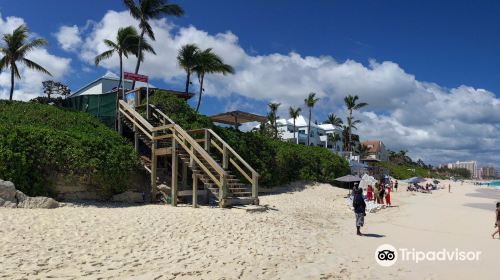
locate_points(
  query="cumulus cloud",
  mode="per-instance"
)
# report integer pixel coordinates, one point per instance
(433, 122)
(68, 37)
(30, 84)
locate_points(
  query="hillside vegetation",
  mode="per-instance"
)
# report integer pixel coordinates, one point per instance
(38, 140)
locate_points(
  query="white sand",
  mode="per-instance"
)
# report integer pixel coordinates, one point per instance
(309, 235)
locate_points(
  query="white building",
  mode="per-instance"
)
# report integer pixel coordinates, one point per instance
(320, 135)
(469, 165)
(105, 84)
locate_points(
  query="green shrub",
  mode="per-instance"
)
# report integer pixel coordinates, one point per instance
(276, 161)
(37, 141)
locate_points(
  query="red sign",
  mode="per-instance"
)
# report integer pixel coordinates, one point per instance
(135, 77)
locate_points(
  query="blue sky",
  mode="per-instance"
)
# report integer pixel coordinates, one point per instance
(391, 53)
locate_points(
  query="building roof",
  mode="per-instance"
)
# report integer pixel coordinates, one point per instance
(237, 118)
(375, 145)
(110, 77)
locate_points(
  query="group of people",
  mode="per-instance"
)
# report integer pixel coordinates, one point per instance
(419, 188)
(381, 192)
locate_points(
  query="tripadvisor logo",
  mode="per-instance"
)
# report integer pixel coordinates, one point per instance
(387, 255)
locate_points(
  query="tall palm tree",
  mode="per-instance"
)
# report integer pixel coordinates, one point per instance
(145, 11)
(15, 50)
(127, 41)
(310, 102)
(208, 62)
(334, 120)
(186, 58)
(273, 116)
(363, 151)
(350, 102)
(294, 114)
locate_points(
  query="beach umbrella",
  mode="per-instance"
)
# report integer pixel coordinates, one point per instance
(436, 182)
(348, 179)
(416, 180)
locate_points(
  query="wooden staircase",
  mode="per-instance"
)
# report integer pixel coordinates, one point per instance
(191, 158)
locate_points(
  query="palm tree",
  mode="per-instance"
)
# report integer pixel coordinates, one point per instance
(310, 102)
(294, 114)
(127, 41)
(187, 60)
(350, 102)
(145, 11)
(273, 116)
(209, 62)
(334, 120)
(363, 151)
(15, 50)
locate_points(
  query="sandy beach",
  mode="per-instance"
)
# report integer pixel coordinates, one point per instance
(305, 234)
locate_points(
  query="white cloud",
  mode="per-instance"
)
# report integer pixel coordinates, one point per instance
(433, 122)
(30, 84)
(68, 37)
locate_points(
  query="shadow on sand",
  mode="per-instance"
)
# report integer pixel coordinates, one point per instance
(373, 235)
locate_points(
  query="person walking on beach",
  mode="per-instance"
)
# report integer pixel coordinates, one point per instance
(497, 221)
(396, 185)
(359, 205)
(369, 193)
(388, 196)
(382, 194)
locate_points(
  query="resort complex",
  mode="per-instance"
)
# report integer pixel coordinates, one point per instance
(150, 139)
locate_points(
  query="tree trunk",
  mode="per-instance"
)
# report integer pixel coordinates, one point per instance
(11, 82)
(202, 76)
(296, 136)
(118, 91)
(350, 131)
(188, 78)
(309, 128)
(139, 54)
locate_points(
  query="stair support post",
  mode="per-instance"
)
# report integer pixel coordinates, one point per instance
(175, 168)
(223, 193)
(255, 188)
(195, 191)
(154, 160)
(184, 175)
(225, 158)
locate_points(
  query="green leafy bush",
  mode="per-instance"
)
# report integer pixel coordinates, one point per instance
(405, 171)
(37, 141)
(276, 161)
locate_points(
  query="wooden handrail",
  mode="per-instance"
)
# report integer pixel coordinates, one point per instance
(233, 152)
(176, 129)
(136, 115)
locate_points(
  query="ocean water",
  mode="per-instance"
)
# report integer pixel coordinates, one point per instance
(494, 184)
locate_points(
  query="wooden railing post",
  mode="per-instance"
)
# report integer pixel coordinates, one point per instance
(207, 140)
(184, 175)
(255, 187)
(225, 157)
(174, 171)
(153, 167)
(136, 137)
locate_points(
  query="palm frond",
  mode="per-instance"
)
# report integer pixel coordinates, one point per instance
(39, 42)
(13, 67)
(103, 56)
(111, 44)
(35, 66)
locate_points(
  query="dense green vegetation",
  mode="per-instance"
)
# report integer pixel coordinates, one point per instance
(401, 166)
(277, 162)
(39, 140)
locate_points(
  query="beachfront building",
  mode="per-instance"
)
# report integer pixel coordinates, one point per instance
(376, 152)
(469, 165)
(489, 172)
(99, 96)
(321, 135)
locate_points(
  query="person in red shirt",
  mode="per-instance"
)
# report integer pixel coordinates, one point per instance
(369, 193)
(388, 196)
